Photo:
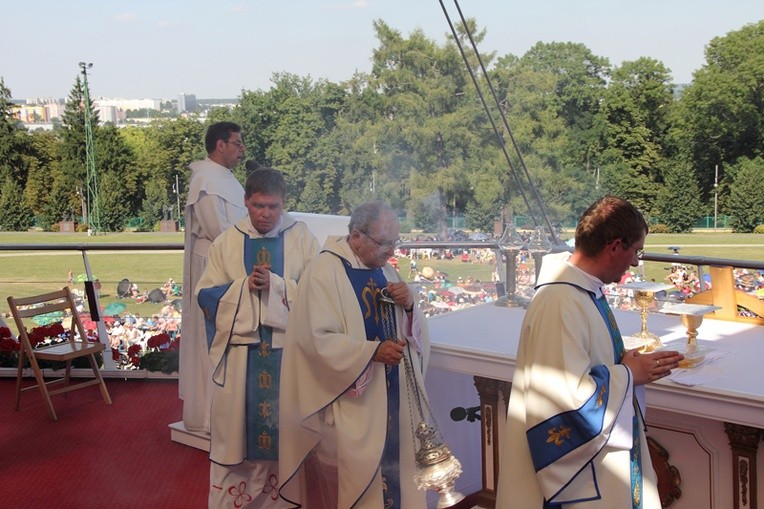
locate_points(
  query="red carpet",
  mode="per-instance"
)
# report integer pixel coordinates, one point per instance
(98, 455)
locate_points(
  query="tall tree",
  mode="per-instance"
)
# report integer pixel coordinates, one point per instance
(119, 193)
(722, 116)
(746, 197)
(70, 181)
(552, 96)
(13, 140)
(678, 201)
(14, 213)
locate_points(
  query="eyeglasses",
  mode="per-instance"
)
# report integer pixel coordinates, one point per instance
(236, 142)
(639, 253)
(384, 245)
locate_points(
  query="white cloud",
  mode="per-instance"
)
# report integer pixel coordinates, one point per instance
(126, 17)
(163, 24)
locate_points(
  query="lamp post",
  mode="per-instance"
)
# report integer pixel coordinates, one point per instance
(176, 188)
(716, 192)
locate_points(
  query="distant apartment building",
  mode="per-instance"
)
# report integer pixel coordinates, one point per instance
(110, 114)
(129, 104)
(54, 110)
(29, 114)
(186, 103)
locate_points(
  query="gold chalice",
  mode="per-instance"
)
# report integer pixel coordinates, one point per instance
(692, 317)
(693, 353)
(644, 300)
(644, 296)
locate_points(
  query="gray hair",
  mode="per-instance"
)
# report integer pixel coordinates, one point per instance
(366, 214)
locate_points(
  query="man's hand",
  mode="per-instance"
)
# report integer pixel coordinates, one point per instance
(651, 366)
(260, 279)
(401, 294)
(390, 352)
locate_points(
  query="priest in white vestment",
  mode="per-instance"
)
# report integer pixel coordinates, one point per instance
(575, 426)
(215, 201)
(345, 414)
(245, 293)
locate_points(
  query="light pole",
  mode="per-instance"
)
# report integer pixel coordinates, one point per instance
(716, 192)
(177, 195)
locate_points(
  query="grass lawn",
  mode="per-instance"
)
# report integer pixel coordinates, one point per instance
(24, 273)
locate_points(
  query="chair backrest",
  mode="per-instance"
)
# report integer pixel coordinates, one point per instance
(36, 305)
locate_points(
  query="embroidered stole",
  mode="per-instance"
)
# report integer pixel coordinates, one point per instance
(263, 363)
(368, 285)
(635, 453)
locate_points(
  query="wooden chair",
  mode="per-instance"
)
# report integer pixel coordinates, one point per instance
(65, 351)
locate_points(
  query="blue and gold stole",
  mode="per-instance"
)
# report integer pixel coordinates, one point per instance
(368, 285)
(263, 363)
(550, 439)
(636, 450)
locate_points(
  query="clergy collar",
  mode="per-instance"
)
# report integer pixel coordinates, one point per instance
(593, 283)
(268, 235)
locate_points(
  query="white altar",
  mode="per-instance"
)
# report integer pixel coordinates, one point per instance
(696, 424)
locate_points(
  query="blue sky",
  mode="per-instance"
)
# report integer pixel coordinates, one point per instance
(216, 48)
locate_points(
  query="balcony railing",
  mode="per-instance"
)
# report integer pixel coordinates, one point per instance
(702, 266)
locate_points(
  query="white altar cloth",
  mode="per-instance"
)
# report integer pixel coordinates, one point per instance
(482, 340)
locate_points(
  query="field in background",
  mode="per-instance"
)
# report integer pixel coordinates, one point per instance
(27, 273)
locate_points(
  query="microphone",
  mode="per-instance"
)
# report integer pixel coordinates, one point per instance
(460, 413)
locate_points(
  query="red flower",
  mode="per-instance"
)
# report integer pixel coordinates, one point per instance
(115, 354)
(35, 336)
(174, 345)
(5, 332)
(158, 340)
(134, 350)
(9, 345)
(55, 329)
(135, 361)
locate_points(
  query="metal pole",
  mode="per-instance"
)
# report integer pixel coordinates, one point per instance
(177, 195)
(716, 192)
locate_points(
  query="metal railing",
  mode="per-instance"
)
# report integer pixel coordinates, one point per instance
(441, 246)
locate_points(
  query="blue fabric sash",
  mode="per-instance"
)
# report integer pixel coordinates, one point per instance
(636, 449)
(263, 363)
(368, 285)
(209, 301)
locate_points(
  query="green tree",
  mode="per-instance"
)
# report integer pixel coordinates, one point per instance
(552, 96)
(14, 214)
(14, 141)
(119, 191)
(288, 128)
(70, 178)
(679, 200)
(746, 197)
(722, 111)
(636, 109)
